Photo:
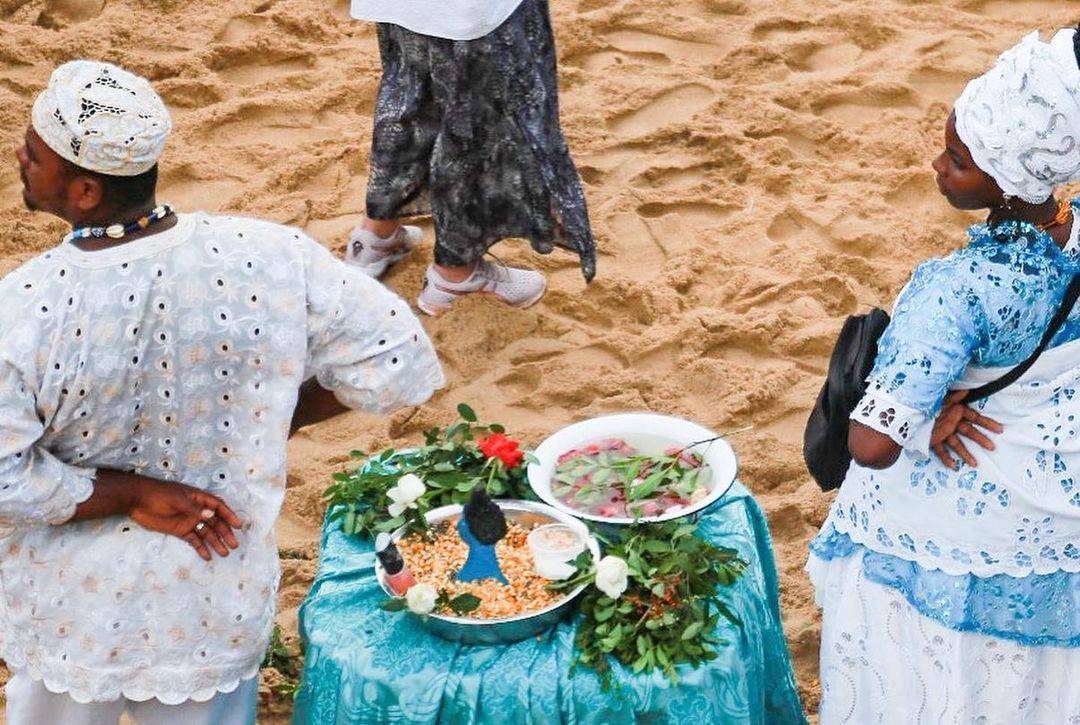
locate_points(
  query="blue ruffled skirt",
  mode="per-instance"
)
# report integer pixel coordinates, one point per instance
(902, 644)
(1035, 610)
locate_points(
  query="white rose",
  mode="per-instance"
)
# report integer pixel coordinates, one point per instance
(409, 488)
(421, 598)
(611, 576)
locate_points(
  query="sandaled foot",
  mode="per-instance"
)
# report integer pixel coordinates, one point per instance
(518, 288)
(374, 255)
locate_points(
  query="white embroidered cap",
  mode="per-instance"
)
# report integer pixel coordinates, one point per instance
(1021, 119)
(102, 118)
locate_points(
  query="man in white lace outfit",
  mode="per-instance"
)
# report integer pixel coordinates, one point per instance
(152, 367)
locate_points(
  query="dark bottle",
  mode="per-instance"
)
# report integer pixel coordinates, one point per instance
(398, 575)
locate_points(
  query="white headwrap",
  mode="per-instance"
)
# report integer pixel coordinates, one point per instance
(102, 118)
(1021, 120)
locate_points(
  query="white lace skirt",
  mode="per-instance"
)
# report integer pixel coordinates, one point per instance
(884, 662)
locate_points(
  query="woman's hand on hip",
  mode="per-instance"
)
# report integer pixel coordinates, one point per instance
(955, 421)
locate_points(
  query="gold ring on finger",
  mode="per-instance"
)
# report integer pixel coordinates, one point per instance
(199, 527)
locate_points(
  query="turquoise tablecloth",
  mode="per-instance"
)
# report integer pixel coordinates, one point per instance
(364, 665)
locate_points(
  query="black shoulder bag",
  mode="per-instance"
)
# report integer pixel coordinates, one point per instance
(825, 446)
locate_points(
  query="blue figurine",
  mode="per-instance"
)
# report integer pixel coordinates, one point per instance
(481, 526)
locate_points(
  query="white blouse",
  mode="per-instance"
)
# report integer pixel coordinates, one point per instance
(177, 356)
(451, 19)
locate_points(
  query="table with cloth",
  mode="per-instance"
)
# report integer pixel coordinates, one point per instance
(366, 665)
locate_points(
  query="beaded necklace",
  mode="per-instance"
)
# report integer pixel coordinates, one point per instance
(1062, 216)
(119, 231)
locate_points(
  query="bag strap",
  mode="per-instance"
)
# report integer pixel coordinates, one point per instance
(1072, 293)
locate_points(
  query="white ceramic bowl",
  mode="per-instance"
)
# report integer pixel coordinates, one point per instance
(648, 431)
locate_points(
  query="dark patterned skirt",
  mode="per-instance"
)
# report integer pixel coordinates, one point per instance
(468, 132)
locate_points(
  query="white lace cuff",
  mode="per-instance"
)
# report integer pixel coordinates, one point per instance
(910, 428)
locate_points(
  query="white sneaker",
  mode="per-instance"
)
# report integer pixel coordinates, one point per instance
(373, 254)
(519, 288)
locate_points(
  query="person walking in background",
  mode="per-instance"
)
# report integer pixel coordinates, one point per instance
(152, 366)
(467, 129)
(949, 590)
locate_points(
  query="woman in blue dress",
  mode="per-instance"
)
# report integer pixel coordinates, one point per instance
(950, 589)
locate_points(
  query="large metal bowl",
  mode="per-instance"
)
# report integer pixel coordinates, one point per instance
(503, 630)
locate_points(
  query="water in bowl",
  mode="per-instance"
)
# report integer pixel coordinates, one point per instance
(632, 477)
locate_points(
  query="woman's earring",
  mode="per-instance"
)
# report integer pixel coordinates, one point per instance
(1008, 201)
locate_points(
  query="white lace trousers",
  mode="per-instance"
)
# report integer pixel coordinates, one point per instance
(29, 703)
(884, 662)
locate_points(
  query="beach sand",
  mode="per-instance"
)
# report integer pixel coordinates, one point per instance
(755, 172)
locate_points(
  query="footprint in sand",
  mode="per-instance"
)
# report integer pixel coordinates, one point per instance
(778, 28)
(187, 190)
(658, 230)
(591, 175)
(635, 46)
(632, 238)
(248, 68)
(670, 107)
(816, 58)
(586, 6)
(596, 61)
(241, 28)
(800, 143)
(856, 108)
(61, 13)
(672, 177)
(520, 380)
(938, 85)
(280, 126)
(793, 226)
(691, 214)
(918, 198)
(1019, 10)
(725, 7)
(692, 51)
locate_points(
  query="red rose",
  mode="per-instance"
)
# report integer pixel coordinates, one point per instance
(503, 448)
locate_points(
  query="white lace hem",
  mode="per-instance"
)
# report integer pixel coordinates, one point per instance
(950, 566)
(882, 661)
(196, 686)
(910, 428)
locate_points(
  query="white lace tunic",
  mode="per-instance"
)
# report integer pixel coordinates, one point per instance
(177, 356)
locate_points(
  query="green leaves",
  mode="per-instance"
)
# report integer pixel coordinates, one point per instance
(396, 604)
(603, 471)
(692, 631)
(450, 463)
(647, 487)
(287, 660)
(669, 613)
(462, 603)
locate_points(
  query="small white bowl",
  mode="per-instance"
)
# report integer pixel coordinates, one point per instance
(643, 430)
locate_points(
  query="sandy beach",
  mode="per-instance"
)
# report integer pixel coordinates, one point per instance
(756, 170)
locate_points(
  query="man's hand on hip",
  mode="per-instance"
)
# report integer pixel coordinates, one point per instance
(201, 519)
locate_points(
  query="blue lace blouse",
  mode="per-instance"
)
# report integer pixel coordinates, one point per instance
(985, 305)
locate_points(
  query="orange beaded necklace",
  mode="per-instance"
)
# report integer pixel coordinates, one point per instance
(1064, 210)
